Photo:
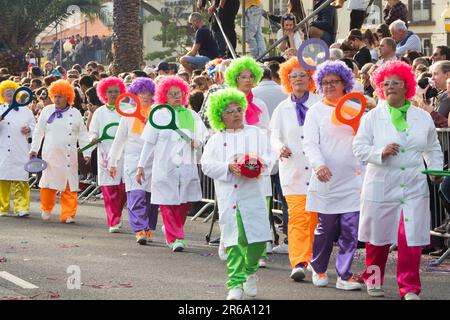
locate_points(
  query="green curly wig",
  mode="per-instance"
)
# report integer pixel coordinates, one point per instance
(241, 64)
(219, 101)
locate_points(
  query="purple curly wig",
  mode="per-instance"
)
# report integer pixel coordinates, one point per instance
(168, 82)
(338, 68)
(142, 85)
(104, 84)
(399, 69)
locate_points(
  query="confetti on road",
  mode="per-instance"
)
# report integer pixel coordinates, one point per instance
(109, 286)
(68, 246)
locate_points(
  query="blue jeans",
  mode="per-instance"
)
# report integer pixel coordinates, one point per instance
(199, 61)
(253, 32)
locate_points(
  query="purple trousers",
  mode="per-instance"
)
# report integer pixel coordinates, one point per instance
(344, 228)
(143, 214)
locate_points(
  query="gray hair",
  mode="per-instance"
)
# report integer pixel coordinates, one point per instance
(444, 66)
(398, 25)
(196, 16)
(336, 54)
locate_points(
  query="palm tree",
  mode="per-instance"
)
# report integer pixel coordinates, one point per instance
(21, 21)
(127, 36)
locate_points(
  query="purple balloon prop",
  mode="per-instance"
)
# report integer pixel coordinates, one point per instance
(305, 44)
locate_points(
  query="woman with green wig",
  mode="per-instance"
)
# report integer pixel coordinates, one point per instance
(242, 207)
(244, 74)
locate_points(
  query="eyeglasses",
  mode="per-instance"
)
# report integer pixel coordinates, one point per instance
(232, 111)
(247, 77)
(302, 74)
(332, 83)
(175, 94)
(393, 83)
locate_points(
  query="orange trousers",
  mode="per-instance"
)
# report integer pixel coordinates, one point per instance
(301, 228)
(68, 202)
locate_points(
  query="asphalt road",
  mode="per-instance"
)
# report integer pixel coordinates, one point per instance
(113, 266)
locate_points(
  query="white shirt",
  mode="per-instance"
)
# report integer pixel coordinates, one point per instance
(295, 172)
(271, 93)
(14, 146)
(396, 184)
(331, 145)
(235, 192)
(297, 38)
(60, 147)
(412, 44)
(102, 117)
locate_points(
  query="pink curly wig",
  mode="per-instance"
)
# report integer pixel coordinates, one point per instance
(395, 68)
(104, 84)
(168, 82)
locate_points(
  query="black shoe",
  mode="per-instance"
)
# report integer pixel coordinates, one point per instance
(215, 242)
(438, 253)
(443, 228)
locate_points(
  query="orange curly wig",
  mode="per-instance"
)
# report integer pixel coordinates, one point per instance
(286, 68)
(62, 87)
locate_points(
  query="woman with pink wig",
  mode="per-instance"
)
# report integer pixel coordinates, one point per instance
(175, 182)
(113, 189)
(394, 139)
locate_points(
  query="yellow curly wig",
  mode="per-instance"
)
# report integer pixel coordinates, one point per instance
(286, 68)
(62, 87)
(7, 85)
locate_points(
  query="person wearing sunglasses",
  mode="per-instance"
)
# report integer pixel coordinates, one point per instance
(175, 182)
(126, 148)
(113, 189)
(286, 127)
(243, 218)
(63, 128)
(335, 183)
(394, 139)
(15, 129)
(288, 23)
(244, 74)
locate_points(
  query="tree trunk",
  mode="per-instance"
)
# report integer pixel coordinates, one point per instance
(127, 36)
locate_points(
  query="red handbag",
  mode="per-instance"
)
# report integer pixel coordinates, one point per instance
(250, 166)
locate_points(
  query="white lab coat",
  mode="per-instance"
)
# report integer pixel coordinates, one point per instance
(396, 183)
(295, 172)
(14, 146)
(60, 147)
(328, 144)
(263, 123)
(127, 147)
(239, 192)
(175, 177)
(101, 118)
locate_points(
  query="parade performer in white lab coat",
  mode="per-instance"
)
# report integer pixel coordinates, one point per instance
(244, 74)
(287, 140)
(242, 207)
(175, 181)
(127, 145)
(113, 189)
(395, 139)
(15, 130)
(63, 127)
(334, 188)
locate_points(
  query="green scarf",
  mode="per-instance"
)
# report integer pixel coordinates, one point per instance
(398, 116)
(111, 107)
(185, 118)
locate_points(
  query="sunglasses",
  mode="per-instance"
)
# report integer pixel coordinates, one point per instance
(288, 17)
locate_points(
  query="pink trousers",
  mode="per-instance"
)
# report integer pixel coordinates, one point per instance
(174, 218)
(115, 198)
(408, 263)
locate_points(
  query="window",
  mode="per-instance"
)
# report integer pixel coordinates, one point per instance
(420, 11)
(427, 47)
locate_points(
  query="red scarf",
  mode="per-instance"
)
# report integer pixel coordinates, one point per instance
(253, 111)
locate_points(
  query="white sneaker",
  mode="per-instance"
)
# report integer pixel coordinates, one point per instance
(375, 292)
(319, 280)
(70, 220)
(262, 263)
(269, 247)
(235, 294)
(281, 249)
(23, 214)
(348, 285)
(222, 252)
(411, 296)
(178, 246)
(46, 216)
(250, 288)
(298, 274)
(309, 268)
(115, 229)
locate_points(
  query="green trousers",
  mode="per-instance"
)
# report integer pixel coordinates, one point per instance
(243, 259)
